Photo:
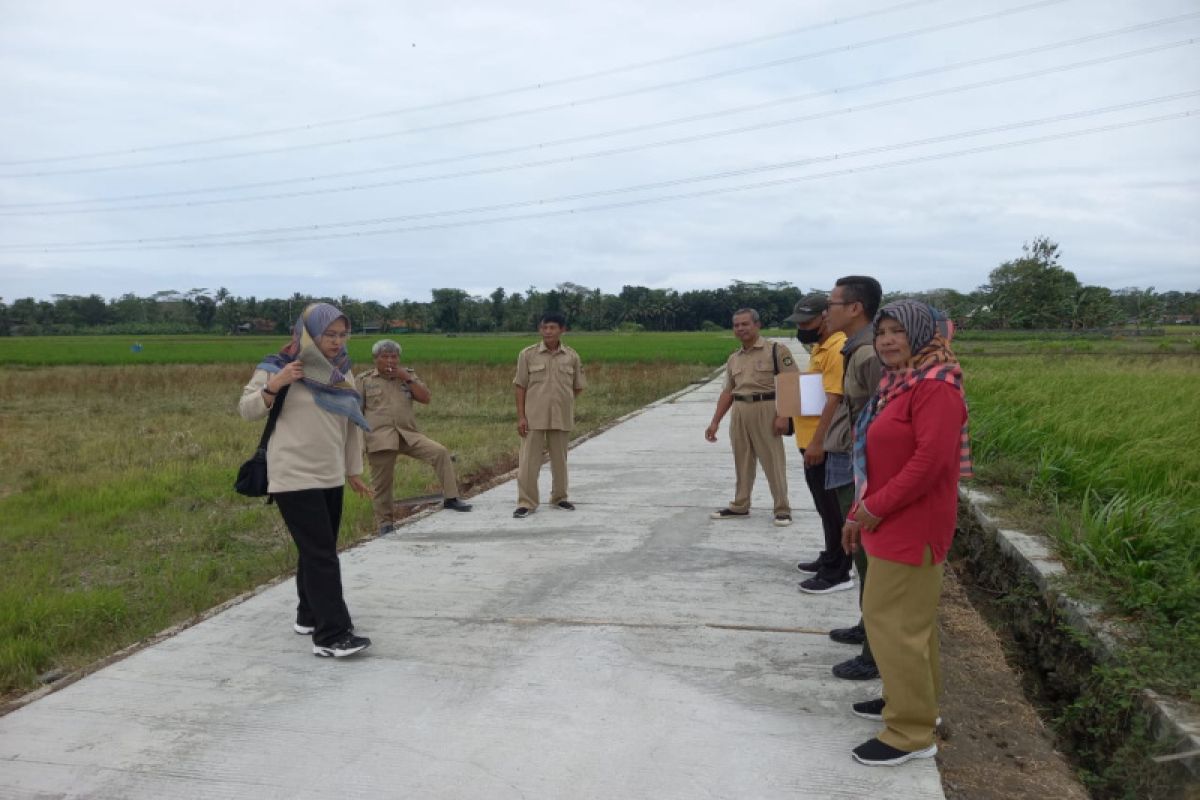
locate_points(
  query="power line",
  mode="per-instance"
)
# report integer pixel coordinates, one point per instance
(537, 146)
(555, 82)
(636, 147)
(548, 107)
(199, 240)
(668, 198)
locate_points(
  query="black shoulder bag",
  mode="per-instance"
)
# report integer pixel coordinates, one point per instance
(252, 476)
(791, 428)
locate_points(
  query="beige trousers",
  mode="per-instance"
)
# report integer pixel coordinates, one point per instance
(532, 446)
(900, 606)
(383, 468)
(753, 441)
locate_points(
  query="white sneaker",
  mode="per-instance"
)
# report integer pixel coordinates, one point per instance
(783, 520)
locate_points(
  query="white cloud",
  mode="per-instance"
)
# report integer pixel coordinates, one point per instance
(78, 78)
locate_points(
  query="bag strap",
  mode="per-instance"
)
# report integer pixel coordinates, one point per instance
(276, 407)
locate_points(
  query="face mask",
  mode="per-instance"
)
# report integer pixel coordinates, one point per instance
(808, 337)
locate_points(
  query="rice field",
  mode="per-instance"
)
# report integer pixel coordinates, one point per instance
(119, 517)
(1104, 454)
(624, 348)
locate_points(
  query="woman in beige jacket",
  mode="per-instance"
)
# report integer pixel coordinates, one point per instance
(315, 450)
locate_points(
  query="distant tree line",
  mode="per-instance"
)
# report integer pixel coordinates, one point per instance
(1032, 292)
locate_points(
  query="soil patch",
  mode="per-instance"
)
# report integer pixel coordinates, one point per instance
(993, 745)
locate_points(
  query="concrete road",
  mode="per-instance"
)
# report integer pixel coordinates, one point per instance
(630, 649)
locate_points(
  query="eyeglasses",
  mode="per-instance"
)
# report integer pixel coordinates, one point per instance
(336, 337)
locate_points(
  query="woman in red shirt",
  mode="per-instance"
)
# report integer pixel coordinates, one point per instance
(910, 449)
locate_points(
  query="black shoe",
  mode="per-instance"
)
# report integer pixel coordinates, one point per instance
(818, 585)
(809, 566)
(521, 513)
(856, 669)
(869, 709)
(873, 709)
(877, 754)
(386, 528)
(565, 505)
(348, 645)
(727, 513)
(855, 634)
(456, 504)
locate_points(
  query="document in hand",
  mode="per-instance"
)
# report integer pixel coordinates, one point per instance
(799, 394)
(812, 394)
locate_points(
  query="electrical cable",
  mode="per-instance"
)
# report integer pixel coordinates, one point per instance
(660, 199)
(198, 240)
(627, 149)
(486, 96)
(545, 108)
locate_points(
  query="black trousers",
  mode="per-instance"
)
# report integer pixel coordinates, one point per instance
(846, 498)
(312, 517)
(835, 563)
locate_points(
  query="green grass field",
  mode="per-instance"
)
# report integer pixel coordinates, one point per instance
(119, 519)
(117, 501)
(1104, 454)
(633, 348)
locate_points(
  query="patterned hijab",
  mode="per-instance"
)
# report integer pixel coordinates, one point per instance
(330, 380)
(929, 332)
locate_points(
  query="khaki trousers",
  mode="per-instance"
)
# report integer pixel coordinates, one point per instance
(532, 446)
(383, 468)
(753, 440)
(900, 611)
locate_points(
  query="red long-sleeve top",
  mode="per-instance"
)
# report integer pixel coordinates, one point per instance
(912, 473)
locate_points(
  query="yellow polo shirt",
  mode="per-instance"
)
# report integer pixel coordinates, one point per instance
(825, 358)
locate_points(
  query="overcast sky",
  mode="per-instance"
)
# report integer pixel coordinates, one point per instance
(811, 150)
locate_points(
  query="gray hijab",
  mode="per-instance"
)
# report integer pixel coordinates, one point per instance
(916, 318)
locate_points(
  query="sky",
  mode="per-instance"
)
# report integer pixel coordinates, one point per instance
(382, 149)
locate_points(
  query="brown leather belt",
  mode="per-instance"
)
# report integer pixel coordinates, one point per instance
(754, 398)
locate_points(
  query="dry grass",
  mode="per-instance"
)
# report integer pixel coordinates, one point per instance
(119, 516)
(994, 746)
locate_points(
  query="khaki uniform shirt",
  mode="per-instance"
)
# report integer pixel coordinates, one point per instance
(752, 370)
(861, 379)
(388, 407)
(550, 380)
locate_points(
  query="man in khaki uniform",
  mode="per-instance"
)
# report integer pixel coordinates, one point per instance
(755, 429)
(549, 378)
(388, 392)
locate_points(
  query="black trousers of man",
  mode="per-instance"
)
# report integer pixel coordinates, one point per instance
(313, 517)
(835, 563)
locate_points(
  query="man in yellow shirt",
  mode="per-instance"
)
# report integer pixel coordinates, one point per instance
(832, 566)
